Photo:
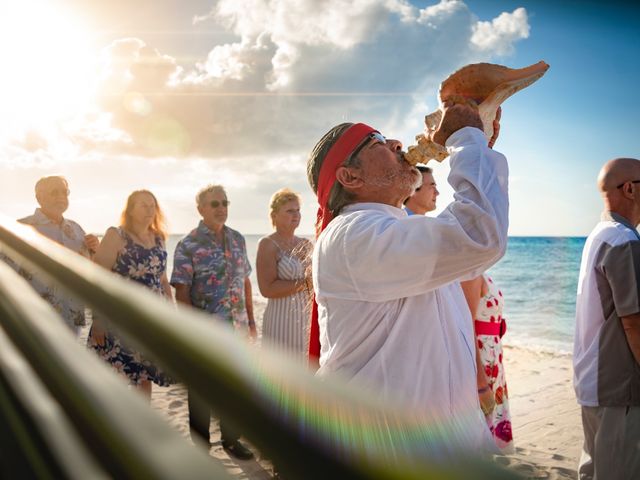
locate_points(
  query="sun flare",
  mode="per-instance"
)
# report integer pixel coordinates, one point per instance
(47, 68)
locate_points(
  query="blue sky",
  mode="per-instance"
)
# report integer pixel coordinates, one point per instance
(175, 94)
(559, 132)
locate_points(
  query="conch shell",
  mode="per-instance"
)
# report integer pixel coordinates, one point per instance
(488, 85)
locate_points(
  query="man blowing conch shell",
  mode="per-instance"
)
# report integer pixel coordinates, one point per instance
(391, 317)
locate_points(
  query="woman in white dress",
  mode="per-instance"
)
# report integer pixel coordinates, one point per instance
(284, 277)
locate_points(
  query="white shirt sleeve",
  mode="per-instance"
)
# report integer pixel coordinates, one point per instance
(381, 257)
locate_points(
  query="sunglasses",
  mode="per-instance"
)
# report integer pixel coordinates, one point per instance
(59, 192)
(216, 203)
(632, 181)
(377, 136)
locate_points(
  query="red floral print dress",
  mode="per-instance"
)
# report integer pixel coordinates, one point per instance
(488, 324)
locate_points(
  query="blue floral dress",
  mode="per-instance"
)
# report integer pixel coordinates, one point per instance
(145, 266)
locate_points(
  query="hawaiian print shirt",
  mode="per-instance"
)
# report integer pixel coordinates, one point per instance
(70, 235)
(216, 273)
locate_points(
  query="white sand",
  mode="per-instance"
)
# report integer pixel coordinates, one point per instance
(546, 418)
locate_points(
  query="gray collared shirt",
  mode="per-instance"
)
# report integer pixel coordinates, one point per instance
(605, 370)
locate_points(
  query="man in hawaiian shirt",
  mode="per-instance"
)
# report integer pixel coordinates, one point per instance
(211, 272)
(52, 194)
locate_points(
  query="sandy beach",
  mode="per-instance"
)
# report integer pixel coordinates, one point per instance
(546, 418)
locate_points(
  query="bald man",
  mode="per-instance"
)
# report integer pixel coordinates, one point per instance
(606, 355)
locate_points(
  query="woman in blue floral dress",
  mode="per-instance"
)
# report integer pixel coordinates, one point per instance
(136, 251)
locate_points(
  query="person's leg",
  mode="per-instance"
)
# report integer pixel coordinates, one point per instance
(231, 443)
(632, 443)
(590, 424)
(616, 445)
(227, 434)
(199, 417)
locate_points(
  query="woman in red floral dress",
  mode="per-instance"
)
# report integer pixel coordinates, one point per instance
(486, 305)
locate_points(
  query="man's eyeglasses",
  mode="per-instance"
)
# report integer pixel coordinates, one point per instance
(59, 192)
(216, 203)
(372, 136)
(632, 181)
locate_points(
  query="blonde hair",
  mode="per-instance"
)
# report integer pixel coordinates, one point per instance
(278, 199)
(158, 225)
(209, 189)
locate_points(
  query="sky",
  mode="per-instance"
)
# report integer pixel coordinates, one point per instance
(171, 95)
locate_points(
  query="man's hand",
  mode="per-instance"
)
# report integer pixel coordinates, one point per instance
(458, 113)
(496, 128)
(91, 242)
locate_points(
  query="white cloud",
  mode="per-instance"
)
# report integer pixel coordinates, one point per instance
(297, 68)
(499, 35)
(249, 111)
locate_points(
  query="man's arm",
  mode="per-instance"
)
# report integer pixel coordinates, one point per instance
(182, 275)
(417, 254)
(183, 293)
(620, 265)
(631, 326)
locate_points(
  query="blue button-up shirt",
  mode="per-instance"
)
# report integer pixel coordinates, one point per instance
(215, 272)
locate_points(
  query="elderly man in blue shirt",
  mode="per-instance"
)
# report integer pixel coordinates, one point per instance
(211, 272)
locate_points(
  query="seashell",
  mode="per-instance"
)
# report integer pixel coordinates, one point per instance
(425, 150)
(487, 84)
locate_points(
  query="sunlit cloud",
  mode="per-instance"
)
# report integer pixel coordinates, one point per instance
(248, 110)
(278, 87)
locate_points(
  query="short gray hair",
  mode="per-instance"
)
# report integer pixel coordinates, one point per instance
(42, 183)
(209, 189)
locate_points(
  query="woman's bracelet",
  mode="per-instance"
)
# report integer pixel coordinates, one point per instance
(483, 389)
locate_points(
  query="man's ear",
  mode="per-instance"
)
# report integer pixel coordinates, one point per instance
(628, 190)
(349, 178)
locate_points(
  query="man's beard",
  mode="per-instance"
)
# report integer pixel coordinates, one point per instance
(400, 178)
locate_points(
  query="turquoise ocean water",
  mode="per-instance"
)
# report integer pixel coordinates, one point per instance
(538, 277)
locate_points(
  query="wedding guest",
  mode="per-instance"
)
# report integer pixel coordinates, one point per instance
(606, 352)
(136, 251)
(486, 305)
(424, 198)
(52, 194)
(211, 273)
(283, 270)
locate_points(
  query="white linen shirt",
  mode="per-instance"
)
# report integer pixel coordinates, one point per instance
(392, 315)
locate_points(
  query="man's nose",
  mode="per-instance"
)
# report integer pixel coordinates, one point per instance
(394, 145)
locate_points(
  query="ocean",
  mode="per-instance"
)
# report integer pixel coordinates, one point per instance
(538, 277)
